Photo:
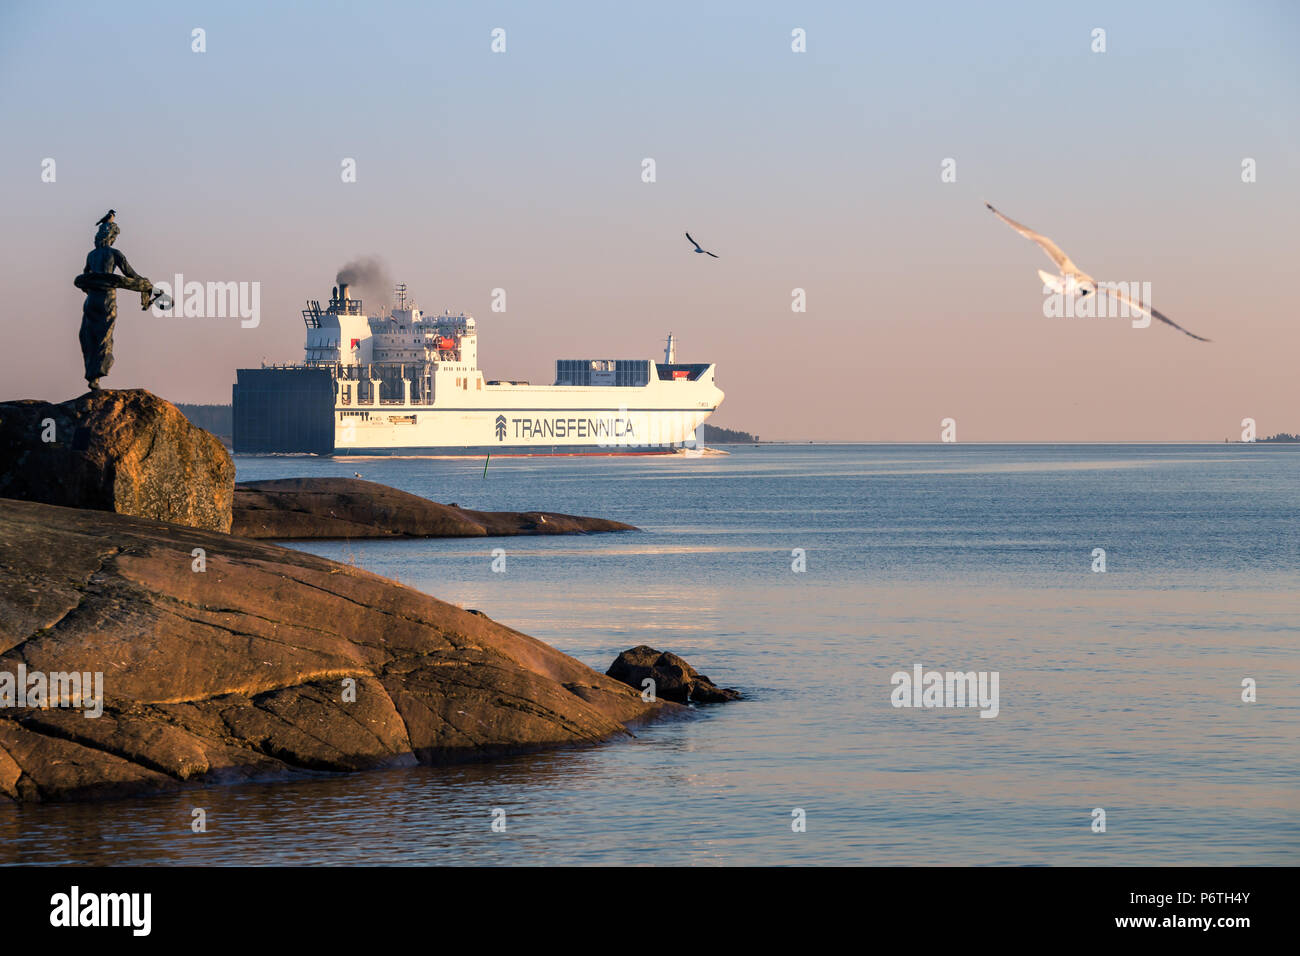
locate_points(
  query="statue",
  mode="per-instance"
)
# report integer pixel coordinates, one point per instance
(100, 284)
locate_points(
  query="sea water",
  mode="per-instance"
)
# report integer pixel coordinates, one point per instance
(807, 576)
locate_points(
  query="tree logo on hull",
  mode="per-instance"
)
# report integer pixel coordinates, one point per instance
(501, 428)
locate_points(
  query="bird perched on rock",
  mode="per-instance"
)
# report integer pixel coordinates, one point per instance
(108, 217)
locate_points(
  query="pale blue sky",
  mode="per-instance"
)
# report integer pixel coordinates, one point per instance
(818, 170)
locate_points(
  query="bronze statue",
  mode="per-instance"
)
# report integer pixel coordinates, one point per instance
(99, 313)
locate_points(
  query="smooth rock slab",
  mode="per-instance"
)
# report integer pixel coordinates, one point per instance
(237, 672)
(297, 508)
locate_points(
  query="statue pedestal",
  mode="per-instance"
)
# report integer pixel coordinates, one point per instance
(127, 451)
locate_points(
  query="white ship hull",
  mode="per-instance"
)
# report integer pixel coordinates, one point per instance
(524, 420)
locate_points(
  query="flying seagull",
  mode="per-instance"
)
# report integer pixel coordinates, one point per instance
(108, 217)
(697, 247)
(1075, 281)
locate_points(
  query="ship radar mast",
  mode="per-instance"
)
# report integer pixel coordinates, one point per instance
(401, 295)
(670, 350)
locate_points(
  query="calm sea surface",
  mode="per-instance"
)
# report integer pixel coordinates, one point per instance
(1119, 690)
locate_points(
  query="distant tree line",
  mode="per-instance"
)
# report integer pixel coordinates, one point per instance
(214, 418)
(1282, 436)
(724, 436)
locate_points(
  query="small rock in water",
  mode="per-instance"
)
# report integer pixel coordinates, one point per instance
(674, 678)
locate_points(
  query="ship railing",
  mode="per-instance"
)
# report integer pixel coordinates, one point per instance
(311, 314)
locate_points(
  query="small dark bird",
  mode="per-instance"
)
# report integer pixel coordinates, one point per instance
(108, 217)
(697, 247)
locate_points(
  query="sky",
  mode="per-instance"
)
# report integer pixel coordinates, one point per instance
(819, 170)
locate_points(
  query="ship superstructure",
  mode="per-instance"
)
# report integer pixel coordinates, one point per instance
(402, 382)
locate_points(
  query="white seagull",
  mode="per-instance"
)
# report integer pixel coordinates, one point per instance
(697, 247)
(1074, 281)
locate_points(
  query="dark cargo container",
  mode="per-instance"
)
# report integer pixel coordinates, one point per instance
(283, 410)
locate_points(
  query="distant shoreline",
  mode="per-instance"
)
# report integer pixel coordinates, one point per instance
(823, 444)
(1029, 444)
(210, 417)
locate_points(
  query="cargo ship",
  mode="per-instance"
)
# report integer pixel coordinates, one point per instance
(401, 382)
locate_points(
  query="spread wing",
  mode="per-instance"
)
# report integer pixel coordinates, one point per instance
(693, 242)
(1052, 249)
(707, 253)
(1146, 310)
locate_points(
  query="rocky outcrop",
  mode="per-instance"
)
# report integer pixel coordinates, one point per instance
(674, 679)
(295, 508)
(116, 450)
(227, 659)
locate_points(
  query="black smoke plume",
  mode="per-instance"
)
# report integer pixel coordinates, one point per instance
(367, 278)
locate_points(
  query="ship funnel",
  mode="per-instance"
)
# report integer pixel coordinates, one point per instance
(343, 292)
